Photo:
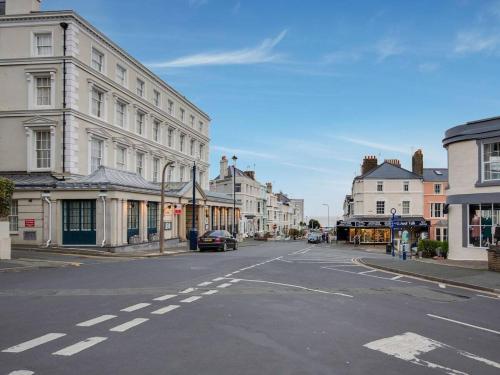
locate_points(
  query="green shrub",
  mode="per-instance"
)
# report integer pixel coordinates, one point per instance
(6, 191)
(429, 248)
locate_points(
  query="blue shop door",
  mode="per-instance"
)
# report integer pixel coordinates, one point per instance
(132, 219)
(79, 222)
(152, 218)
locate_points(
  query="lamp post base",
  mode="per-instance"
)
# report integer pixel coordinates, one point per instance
(193, 239)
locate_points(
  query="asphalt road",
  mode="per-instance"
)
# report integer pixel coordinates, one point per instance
(275, 308)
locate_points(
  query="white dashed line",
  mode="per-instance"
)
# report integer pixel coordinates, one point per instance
(396, 277)
(95, 321)
(236, 272)
(205, 283)
(235, 280)
(225, 285)
(218, 279)
(191, 299)
(442, 286)
(188, 290)
(79, 346)
(165, 310)
(464, 324)
(33, 343)
(21, 372)
(212, 291)
(165, 297)
(365, 272)
(130, 324)
(135, 307)
(229, 275)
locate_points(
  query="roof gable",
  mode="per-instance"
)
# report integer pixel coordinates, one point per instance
(389, 171)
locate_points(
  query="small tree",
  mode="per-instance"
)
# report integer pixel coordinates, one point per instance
(6, 191)
(314, 224)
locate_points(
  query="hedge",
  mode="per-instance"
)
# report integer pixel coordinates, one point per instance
(6, 191)
(429, 248)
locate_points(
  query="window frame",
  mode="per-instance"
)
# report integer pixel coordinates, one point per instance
(156, 169)
(31, 77)
(94, 139)
(438, 188)
(102, 69)
(118, 103)
(13, 216)
(101, 111)
(156, 130)
(119, 149)
(142, 160)
(433, 210)
(403, 208)
(140, 114)
(170, 137)
(482, 162)
(382, 207)
(142, 87)
(31, 155)
(120, 67)
(34, 48)
(380, 186)
(406, 186)
(156, 98)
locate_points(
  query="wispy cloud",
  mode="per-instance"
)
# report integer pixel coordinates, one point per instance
(375, 145)
(263, 53)
(240, 151)
(388, 47)
(428, 67)
(197, 3)
(476, 41)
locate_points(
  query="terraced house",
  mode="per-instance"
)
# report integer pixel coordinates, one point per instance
(85, 130)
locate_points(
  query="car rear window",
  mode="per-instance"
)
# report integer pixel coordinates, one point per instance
(215, 233)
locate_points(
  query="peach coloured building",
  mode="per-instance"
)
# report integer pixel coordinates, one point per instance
(435, 184)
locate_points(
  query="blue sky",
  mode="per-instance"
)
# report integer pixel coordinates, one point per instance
(303, 90)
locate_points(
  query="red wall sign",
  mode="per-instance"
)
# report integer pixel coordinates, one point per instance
(178, 209)
(29, 223)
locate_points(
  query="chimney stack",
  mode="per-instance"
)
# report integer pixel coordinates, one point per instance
(394, 162)
(369, 163)
(223, 167)
(21, 6)
(250, 174)
(269, 187)
(417, 162)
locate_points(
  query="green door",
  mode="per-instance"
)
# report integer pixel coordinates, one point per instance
(152, 218)
(79, 222)
(132, 219)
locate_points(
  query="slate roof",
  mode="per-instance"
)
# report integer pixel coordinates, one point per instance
(108, 178)
(436, 174)
(239, 173)
(220, 197)
(387, 171)
(31, 180)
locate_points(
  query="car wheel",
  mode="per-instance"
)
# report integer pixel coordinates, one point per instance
(224, 247)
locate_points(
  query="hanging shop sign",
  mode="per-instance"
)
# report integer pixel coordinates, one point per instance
(178, 209)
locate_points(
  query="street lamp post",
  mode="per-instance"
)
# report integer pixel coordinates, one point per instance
(393, 213)
(162, 205)
(328, 206)
(234, 196)
(193, 232)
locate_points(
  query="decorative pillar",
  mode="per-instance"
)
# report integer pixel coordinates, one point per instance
(143, 221)
(123, 222)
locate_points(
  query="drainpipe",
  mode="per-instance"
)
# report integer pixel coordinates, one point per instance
(46, 198)
(64, 26)
(103, 198)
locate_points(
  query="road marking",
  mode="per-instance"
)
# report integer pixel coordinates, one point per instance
(464, 324)
(165, 297)
(490, 297)
(409, 346)
(299, 287)
(377, 277)
(396, 277)
(365, 272)
(130, 324)
(33, 343)
(205, 283)
(229, 275)
(188, 290)
(225, 285)
(235, 280)
(79, 346)
(21, 372)
(164, 310)
(191, 299)
(442, 286)
(218, 279)
(213, 291)
(135, 307)
(236, 272)
(95, 321)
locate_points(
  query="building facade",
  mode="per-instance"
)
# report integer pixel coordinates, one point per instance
(283, 213)
(84, 122)
(375, 193)
(473, 196)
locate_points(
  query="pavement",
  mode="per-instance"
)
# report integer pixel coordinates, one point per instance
(273, 308)
(463, 274)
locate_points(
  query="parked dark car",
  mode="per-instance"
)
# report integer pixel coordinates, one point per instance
(218, 240)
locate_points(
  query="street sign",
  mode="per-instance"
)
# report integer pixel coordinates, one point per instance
(29, 223)
(167, 211)
(178, 209)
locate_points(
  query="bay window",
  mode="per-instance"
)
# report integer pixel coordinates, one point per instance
(483, 224)
(491, 161)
